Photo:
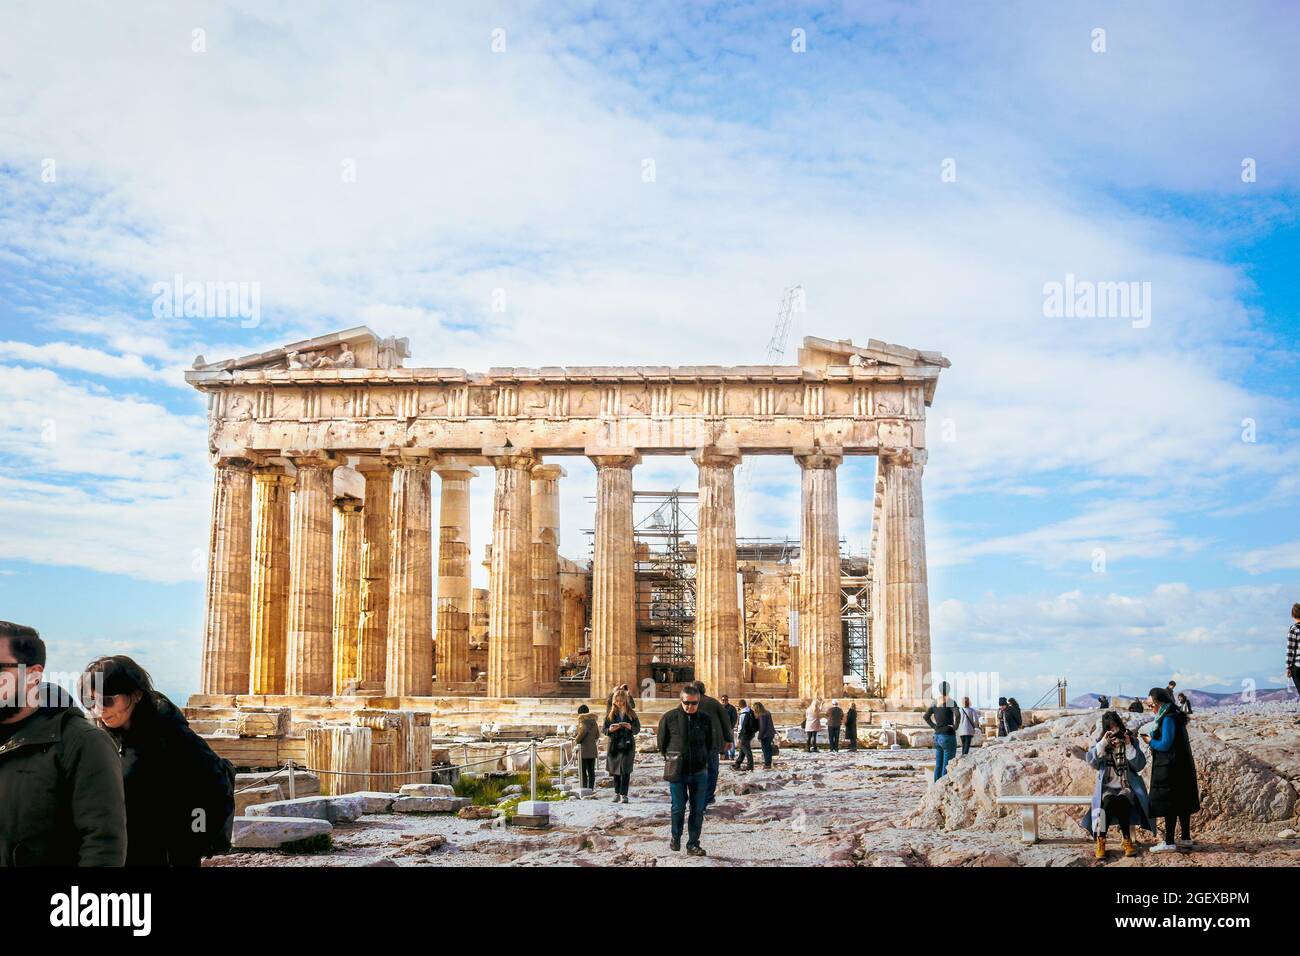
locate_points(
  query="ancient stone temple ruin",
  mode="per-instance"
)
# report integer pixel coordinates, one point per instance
(322, 581)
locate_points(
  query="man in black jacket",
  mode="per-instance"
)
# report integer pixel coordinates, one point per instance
(61, 798)
(732, 714)
(722, 734)
(687, 739)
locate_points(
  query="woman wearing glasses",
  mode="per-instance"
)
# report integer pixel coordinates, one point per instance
(179, 794)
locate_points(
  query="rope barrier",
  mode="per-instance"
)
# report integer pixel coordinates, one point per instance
(411, 773)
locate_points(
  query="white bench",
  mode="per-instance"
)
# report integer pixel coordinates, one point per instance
(1029, 804)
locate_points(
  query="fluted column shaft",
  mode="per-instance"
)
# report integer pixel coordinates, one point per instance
(510, 610)
(269, 591)
(455, 602)
(821, 639)
(226, 646)
(546, 572)
(348, 522)
(717, 614)
(573, 613)
(410, 583)
(613, 577)
(310, 656)
(907, 592)
(372, 647)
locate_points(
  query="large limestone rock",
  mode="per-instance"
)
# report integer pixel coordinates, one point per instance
(1246, 766)
(269, 833)
(340, 809)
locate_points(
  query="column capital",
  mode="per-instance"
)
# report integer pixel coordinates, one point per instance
(614, 457)
(523, 459)
(234, 463)
(312, 458)
(549, 473)
(348, 504)
(407, 458)
(820, 456)
(904, 456)
(716, 457)
(452, 472)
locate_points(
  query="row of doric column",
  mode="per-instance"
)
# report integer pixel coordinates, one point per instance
(309, 594)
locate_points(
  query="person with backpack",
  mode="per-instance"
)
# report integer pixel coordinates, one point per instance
(1174, 793)
(766, 733)
(180, 796)
(746, 728)
(586, 737)
(943, 716)
(622, 726)
(834, 721)
(968, 725)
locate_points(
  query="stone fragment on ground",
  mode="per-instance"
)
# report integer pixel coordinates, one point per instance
(345, 808)
(270, 833)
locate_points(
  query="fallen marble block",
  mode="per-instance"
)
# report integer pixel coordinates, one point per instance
(341, 809)
(427, 790)
(429, 804)
(269, 833)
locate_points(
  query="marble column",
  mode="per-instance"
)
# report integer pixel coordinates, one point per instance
(226, 646)
(510, 612)
(821, 639)
(269, 594)
(717, 615)
(879, 606)
(410, 582)
(573, 613)
(455, 602)
(546, 572)
(348, 523)
(310, 655)
(613, 577)
(907, 593)
(372, 645)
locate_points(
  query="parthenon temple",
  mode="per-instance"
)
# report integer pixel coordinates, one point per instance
(336, 570)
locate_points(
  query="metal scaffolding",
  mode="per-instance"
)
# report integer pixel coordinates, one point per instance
(855, 620)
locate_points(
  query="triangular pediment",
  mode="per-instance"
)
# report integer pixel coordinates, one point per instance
(351, 348)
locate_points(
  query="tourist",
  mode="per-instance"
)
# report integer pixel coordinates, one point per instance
(1119, 797)
(1174, 794)
(851, 725)
(766, 733)
(1184, 704)
(1293, 648)
(1136, 707)
(812, 723)
(732, 716)
(1002, 716)
(746, 727)
(1015, 719)
(180, 796)
(1103, 702)
(968, 725)
(942, 716)
(722, 735)
(621, 726)
(834, 721)
(61, 801)
(687, 739)
(586, 738)
(609, 701)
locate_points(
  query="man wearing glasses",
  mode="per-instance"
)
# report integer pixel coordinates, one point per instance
(686, 739)
(61, 801)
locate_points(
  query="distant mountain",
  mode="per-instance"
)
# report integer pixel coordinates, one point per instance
(1199, 698)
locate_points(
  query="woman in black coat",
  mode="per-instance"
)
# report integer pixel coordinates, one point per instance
(1174, 793)
(622, 726)
(180, 801)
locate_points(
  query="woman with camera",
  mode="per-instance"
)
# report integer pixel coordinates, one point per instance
(1120, 797)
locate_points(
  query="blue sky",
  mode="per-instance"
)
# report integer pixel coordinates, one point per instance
(501, 214)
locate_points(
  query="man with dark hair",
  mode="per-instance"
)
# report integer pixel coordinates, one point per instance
(722, 734)
(686, 739)
(732, 714)
(61, 796)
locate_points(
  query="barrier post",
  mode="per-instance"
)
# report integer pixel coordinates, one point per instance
(532, 769)
(293, 795)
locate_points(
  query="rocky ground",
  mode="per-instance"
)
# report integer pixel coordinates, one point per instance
(874, 808)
